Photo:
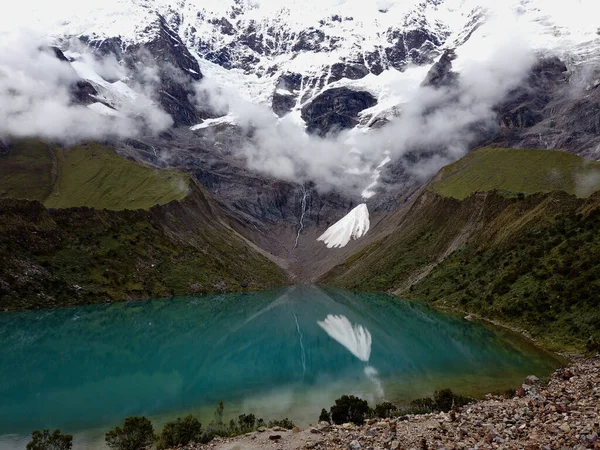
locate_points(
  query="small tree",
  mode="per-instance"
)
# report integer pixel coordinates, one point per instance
(384, 410)
(43, 440)
(349, 408)
(180, 432)
(246, 422)
(443, 399)
(137, 434)
(217, 423)
(325, 416)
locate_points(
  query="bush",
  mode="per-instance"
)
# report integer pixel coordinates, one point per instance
(425, 404)
(442, 400)
(349, 408)
(137, 434)
(283, 423)
(384, 410)
(43, 440)
(218, 421)
(180, 432)
(445, 399)
(247, 423)
(325, 416)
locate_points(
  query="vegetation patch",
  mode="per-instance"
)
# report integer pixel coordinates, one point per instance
(513, 171)
(527, 261)
(26, 171)
(89, 175)
(76, 256)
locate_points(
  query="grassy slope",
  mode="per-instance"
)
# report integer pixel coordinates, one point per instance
(528, 261)
(518, 170)
(26, 172)
(179, 246)
(85, 175)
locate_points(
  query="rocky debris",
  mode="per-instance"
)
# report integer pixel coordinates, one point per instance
(561, 414)
(335, 109)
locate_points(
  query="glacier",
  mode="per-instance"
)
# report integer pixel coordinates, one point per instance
(353, 225)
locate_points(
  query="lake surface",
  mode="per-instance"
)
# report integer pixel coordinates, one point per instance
(282, 353)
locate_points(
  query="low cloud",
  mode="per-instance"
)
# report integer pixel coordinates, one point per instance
(36, 100)
(440, 124)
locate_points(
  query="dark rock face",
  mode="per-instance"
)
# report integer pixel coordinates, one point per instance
(286, 93)
(282, 103)
(310, 40)
(82, 92)
(555, 109)
(441, 74)
(418, 46)
(59, 54)
(177, 69)
(335, 109)
(524, 106)
(347, 70)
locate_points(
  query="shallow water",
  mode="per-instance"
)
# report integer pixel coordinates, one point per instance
(274, 353)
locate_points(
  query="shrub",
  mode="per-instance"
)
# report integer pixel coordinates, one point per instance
(247, 422)
(283, 423)
(510, 393)
(384, 410)
(137, 434)
(218, 421)
(444, 400)
(43, 440)
(349, 408)
(180, 432)
(325, 416)
(425, 404)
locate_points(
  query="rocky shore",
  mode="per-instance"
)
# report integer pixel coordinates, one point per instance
(562, 413)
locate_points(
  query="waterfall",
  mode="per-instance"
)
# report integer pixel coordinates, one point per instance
(301, 226)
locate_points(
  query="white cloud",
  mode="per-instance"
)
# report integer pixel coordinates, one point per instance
(439, 121)
(35, 97)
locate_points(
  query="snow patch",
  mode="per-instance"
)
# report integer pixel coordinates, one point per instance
(229, 118)
(352, 226)
(101, 108)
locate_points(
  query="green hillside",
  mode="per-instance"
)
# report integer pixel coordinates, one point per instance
(86, 175)
(26, 171)
(528, 261)
(513, 171)
(83, 225)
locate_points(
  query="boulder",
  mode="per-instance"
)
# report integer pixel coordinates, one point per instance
(354, 445)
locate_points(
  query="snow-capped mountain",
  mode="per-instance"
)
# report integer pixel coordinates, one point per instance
(456, 73)
(286, 52)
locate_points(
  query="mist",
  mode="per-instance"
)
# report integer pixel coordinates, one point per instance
(435, 126)
(440, 124)
(36, 98)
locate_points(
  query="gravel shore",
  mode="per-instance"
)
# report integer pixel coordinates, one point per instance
(563, 413)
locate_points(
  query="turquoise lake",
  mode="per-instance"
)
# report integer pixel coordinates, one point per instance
(281, 353)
